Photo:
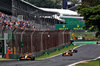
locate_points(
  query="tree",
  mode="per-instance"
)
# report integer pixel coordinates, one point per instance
(46, 3)
(90, 3)
(75, 1)
(92, 18)
(57, 3)
(90, 10)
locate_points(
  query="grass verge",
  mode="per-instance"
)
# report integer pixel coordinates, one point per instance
(4, 59)
(46, 55)
(90, 63)
(56, 52)
(89, 35)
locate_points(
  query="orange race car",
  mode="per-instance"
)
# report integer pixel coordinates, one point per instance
(73, 51)
(27, 57)
(67, 53)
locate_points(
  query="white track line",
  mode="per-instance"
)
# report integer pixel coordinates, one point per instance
(83, 61)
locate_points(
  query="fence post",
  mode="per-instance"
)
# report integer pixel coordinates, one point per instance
(22, 39)
(42, 40)
(5, 42)
(12, 45)
(63, 36)
(31, 41)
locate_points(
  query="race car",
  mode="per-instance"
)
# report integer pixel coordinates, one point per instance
(98, 42)
(67, 53)
(73, 51)
(27, 57)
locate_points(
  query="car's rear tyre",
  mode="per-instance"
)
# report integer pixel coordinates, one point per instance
(70, 50)
(32, 58)
(63, 54)
(75, 51)
(20, 58)
(70, 54)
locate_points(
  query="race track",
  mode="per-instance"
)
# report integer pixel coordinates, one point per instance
(85, 52)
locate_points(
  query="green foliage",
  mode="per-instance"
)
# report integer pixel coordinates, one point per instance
(46, 3)
(75, 1)
(91, 12)
(90, 3)
(46, 53)
(91, 17)
(98, 34)
(87, 35)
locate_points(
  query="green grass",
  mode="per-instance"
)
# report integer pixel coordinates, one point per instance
(89, 35)
(46, 55)
(55, 52)
(4, 59)
(86, 42)
(90, 63)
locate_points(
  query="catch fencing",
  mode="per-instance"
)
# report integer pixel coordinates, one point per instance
(35, 41)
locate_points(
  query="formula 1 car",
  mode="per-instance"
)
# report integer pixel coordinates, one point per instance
(67, 53)
(98, 42)
(27, 57)
(73, 51)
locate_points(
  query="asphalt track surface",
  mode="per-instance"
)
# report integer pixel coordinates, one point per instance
(85, 52)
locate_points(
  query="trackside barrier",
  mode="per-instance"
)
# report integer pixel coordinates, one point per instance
(57, 50)
(13, 56)
(37, 41)
(49, 50)
(46, 52)
(88, 40)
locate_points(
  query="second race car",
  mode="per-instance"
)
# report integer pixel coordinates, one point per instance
(73, 51)
(67, 53)
(27, 57)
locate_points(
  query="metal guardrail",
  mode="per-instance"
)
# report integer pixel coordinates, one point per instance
(88, 40)
(37, 54)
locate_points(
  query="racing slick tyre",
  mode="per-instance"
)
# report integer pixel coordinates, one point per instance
(75, 51)
(32, 58)
(20, 58)
(70, 54)
(64, 54)
(70, 50)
